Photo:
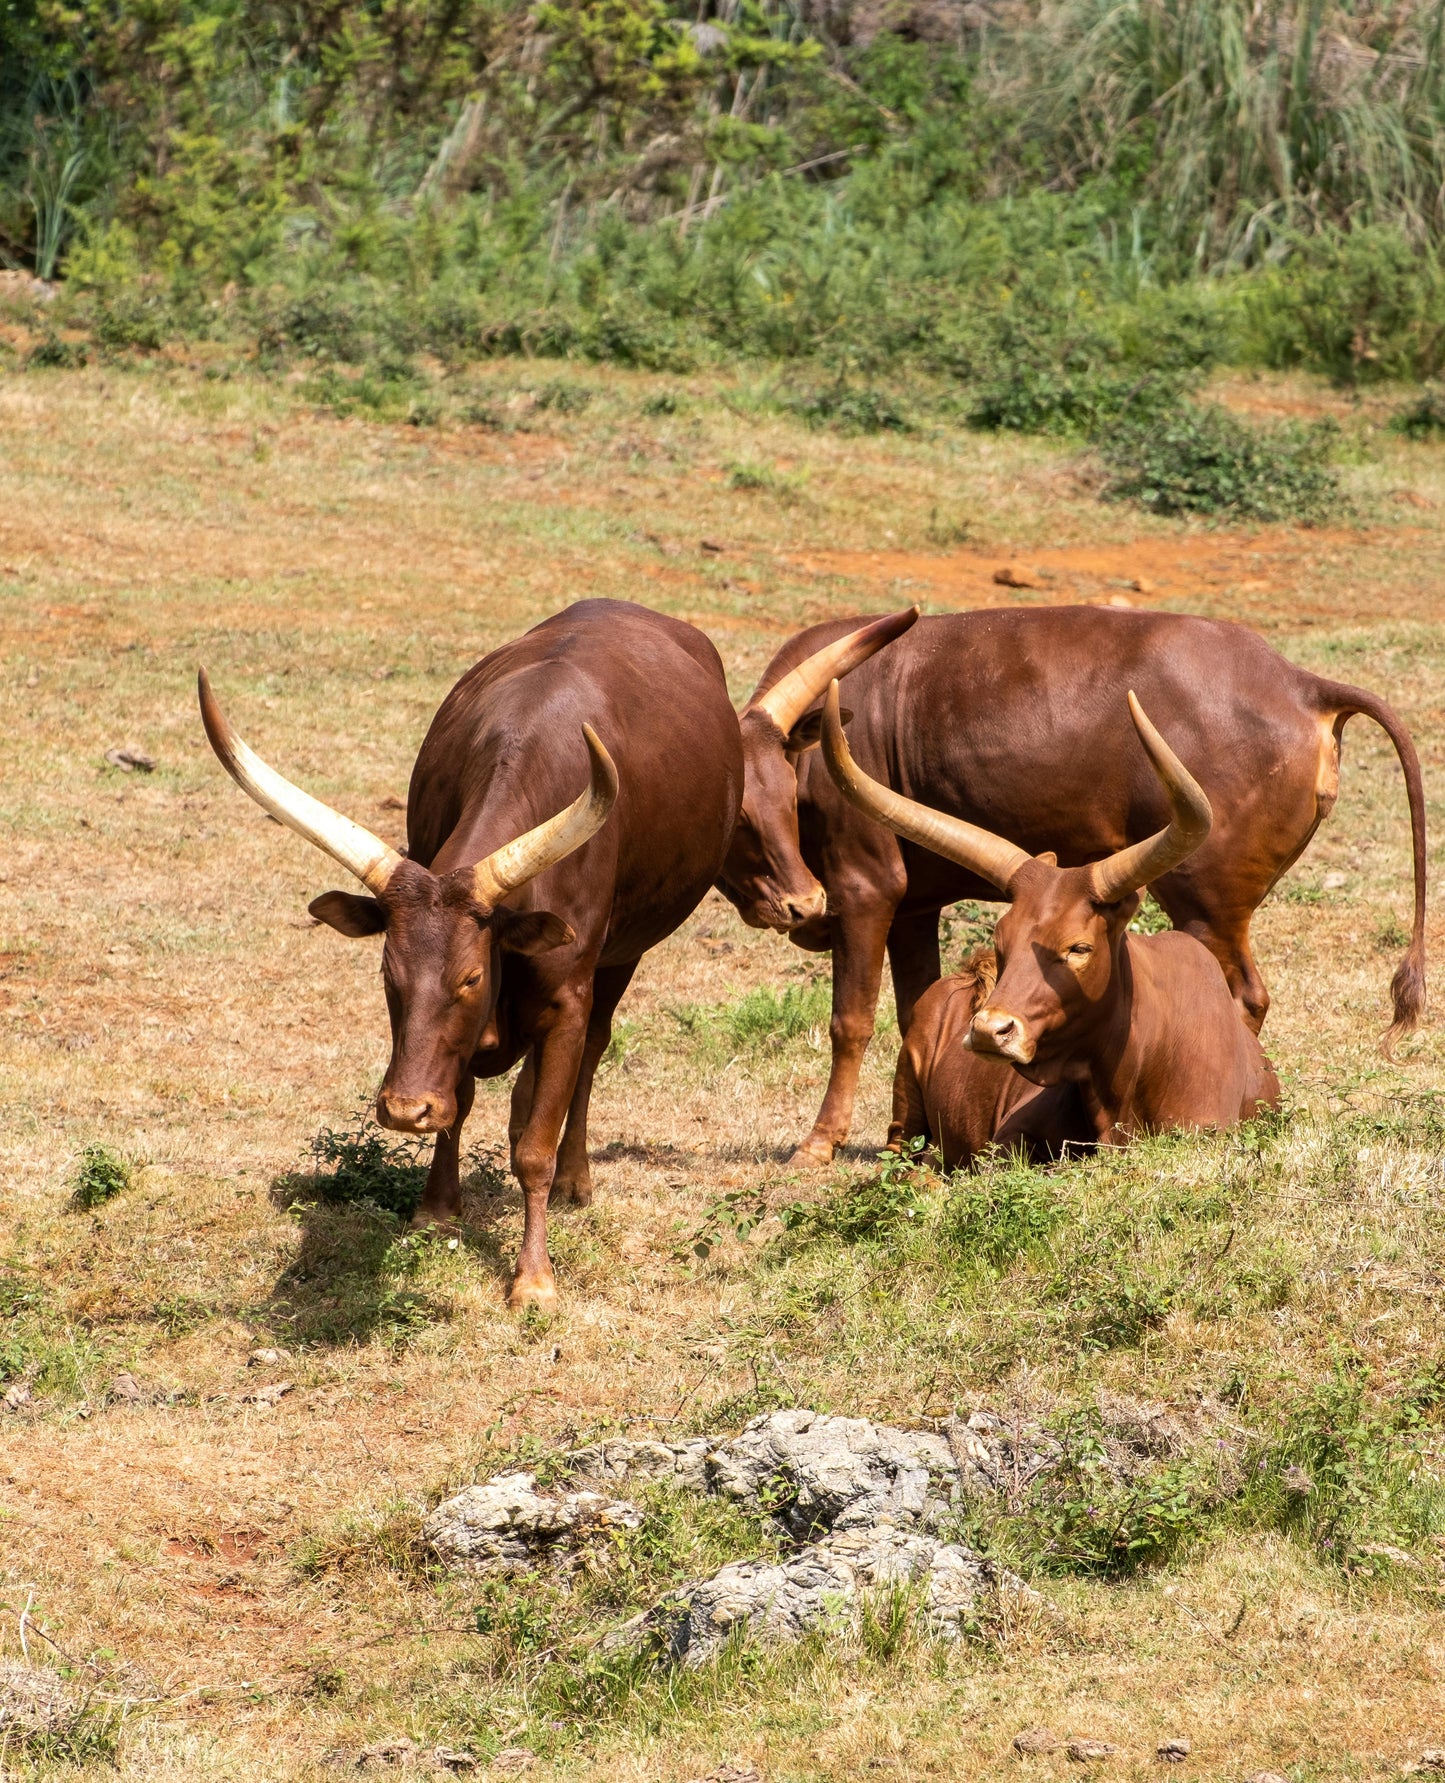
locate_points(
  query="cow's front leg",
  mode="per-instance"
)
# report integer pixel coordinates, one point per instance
(556, 1060)
(441, 1199)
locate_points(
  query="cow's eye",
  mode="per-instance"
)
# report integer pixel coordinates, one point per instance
(1080, 950)
(471, 981)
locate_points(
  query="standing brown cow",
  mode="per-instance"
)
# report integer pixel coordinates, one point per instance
(512, 927)
(1016, 720)
(1144, 1025)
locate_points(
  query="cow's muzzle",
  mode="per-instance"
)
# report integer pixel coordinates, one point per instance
(415, 1114)
(997, 1034)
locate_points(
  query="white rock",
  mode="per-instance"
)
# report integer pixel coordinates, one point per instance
(503, 1525)
(822, 1585)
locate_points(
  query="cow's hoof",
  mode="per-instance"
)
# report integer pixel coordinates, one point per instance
(533, 1293)
(574, 1194)
(812, 1154)
(444, 1224)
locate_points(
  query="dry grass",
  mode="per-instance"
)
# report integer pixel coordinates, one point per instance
(244, 1574)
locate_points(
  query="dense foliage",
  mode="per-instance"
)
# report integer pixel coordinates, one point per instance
(1072, 206)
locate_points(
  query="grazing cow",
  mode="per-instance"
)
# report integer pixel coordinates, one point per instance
(963, 1102)
(1016, 719)
(1144, 1025)
(513, 927)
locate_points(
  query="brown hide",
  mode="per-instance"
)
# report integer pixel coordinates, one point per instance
(1017, 721)
(963, 1102)
(472, 985)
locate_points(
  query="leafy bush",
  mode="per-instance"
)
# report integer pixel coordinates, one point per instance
(369, 1168)
(850, 410)
(1205, 461)
(103, 1174)
(872, 1209)
(1424, 419)
(1357, 304)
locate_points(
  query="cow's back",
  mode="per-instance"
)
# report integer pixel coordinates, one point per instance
(505, 751)
(1018, 720)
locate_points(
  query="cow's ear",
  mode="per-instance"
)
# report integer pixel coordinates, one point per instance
(348, 914)
(807, 733)
(1048, 858)
(531, 931)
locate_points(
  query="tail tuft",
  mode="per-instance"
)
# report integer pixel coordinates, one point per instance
(1407, 991)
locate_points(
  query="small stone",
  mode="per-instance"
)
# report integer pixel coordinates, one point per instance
(1333, 882)
(267, 1358)
(733, 1773)
(129, 759)
(1036, 1739)
(1090, 1751)
(1142, 585)
(1173, 1751)
(1266, 1777)
(1118, 600)
(126, 1386)
(1433, 1758)
(388, 1752)
(452, 1758)
(514, 1758)
(268, 1395)
(1015, 575)
(17, 1396)
(1297, 1482)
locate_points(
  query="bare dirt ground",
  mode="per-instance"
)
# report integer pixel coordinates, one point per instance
(220, 1565)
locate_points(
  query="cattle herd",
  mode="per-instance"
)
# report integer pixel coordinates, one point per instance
(1006, 755)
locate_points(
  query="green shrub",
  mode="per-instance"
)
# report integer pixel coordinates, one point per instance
(1424, 419)
(850, 411)
(369, 1168)
(875, 1208)
(103, 1174)
(1356, 304)
(1206, 461)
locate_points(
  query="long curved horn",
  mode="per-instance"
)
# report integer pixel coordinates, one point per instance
(788, 699)
(361, 853)
(1132, 868)
(511, 866)
(979, 850)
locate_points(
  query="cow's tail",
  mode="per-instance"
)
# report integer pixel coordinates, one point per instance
(1407, 988)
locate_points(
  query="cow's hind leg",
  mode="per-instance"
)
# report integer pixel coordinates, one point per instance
(441, 1199)
(859, 940)
(556, 1059)
(574, 1174)
(1224, 930)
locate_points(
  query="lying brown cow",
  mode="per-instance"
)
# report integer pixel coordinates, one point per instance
(1016, 720)
(512, 927)
(963, 1102)
(1144, 1024)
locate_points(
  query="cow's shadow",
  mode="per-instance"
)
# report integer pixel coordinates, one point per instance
(357, 1271)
